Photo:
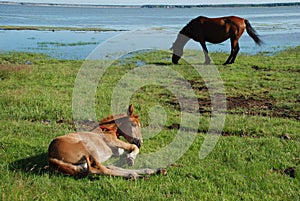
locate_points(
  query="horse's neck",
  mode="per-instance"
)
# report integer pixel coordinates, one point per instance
(109, 124)
(97, 130)
(182, 39)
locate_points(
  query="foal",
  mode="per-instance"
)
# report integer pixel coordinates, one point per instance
(81, 153)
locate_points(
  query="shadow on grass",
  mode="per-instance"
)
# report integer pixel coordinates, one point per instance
(37, 164)
(161, 63)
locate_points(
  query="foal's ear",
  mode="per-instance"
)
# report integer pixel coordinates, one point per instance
(130, 110)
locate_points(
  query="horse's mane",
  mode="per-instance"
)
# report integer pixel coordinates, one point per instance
(112, 118)
(186, 30)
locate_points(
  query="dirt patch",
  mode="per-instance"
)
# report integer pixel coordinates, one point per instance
(290, 171)
(247, 105)
(198, 86)
(250, 104)
(259, 68)
(13, 67)
(6, 69)
(259, 106)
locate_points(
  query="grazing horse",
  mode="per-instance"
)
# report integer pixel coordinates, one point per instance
(81, 153)
(214, 30)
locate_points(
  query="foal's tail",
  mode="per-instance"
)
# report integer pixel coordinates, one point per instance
(252, 33)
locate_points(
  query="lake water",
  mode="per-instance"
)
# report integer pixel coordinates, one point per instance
(279, 27)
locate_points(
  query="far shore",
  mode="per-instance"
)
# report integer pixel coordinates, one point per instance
(46, 28)
(151, 5)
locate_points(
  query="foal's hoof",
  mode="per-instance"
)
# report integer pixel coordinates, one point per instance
(133, 176)
(130, 161)
(83, 168)
(161, 171)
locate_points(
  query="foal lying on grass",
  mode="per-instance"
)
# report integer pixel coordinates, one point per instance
(82, 153)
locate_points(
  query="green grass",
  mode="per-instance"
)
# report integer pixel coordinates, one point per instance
(257, 158)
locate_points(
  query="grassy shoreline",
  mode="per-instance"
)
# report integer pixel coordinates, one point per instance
(256, 158)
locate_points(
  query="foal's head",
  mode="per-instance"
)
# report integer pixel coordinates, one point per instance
(128, 126)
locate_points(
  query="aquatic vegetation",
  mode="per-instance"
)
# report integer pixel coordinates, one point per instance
(46, 44)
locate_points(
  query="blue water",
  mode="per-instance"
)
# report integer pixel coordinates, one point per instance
(279, 27)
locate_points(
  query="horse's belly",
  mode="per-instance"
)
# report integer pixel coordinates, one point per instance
(216, 34)
(216, 40)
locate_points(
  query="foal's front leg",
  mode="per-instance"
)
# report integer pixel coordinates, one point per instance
(137, 172)
(132, 150)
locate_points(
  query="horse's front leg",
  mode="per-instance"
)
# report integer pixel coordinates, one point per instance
(98, 168)
(138, 172)
(132, 150)
(205, 51)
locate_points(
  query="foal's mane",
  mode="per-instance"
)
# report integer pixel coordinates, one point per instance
(112, 118)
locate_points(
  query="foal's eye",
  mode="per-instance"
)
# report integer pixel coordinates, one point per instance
(133, 124)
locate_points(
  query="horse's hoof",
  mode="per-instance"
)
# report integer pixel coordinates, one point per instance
(149, 171)
(130, 161)
(161, 171)
(134, 176)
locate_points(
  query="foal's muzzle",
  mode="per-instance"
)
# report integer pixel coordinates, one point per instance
(137, 142)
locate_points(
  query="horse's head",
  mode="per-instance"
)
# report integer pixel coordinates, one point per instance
(177, 52)
(177, 47)
(129, 127)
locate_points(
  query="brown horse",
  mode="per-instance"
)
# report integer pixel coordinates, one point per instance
(81, 153)
(214, 30)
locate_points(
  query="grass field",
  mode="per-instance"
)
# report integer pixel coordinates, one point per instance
(256, 158)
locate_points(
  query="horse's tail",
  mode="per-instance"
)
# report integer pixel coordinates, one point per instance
(252, 33)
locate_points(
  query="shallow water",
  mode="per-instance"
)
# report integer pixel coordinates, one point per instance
(279, 28)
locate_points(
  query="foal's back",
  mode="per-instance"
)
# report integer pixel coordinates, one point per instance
(72, 147)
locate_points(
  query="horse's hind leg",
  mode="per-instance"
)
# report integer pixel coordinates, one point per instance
(234, 51)
(68, 168)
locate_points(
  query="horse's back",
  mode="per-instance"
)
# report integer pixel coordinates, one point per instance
(72, 147)
(219, 20)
